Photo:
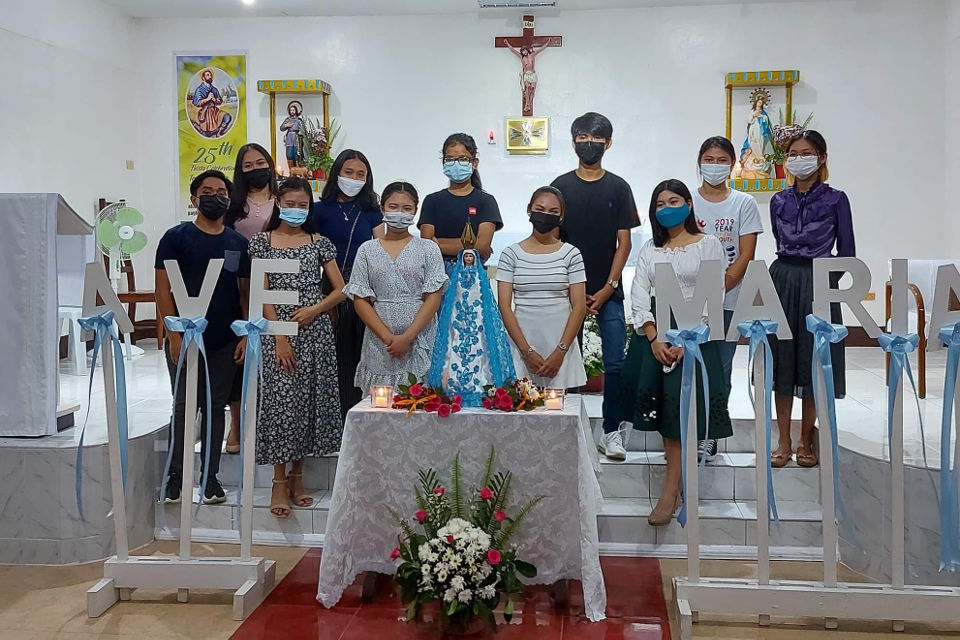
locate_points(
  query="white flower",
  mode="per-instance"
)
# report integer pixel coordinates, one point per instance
(425, 569)
(458, 583)
(442, 573)
(487, 592)
(449, 595)
(464, 596)
(533, 394)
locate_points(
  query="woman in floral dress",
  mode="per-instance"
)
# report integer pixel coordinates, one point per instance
(300, 399)
(396, 286)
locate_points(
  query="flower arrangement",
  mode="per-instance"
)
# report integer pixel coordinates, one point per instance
(457, 549)
(592, 348)
(782, 133)
(514, 395)
(417, 395)
(318, 143)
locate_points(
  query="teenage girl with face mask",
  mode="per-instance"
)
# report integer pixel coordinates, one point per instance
(649, 395)
(348, 213)
(543, 299)
(734, 218)
(445, 213)
(809, 220)
(396, 286)
(253, 201)
(300, 405)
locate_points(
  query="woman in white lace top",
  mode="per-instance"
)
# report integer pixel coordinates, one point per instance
(650, 385)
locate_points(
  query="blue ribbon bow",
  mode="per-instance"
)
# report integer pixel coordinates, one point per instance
(192, 330)
(102, 326)
(690, 340)
(825, 334)
(949, 516)
(252, 329)
(757, 332)
(898, 346)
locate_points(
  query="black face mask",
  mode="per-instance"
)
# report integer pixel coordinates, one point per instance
(590, 152)
(258, 178)
(213, 207)
(544, 222)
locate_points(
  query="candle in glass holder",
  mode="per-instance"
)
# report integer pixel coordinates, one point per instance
(381, 397)
(553, 399)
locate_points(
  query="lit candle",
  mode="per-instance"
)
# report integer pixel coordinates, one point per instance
(381, 397)
(554, 399)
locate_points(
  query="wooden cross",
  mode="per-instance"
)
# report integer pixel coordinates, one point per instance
(526, 47)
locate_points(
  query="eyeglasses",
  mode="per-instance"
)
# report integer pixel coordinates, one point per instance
(795, 155)
(463, 161)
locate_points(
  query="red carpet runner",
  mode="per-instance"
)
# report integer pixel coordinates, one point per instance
(636, 610)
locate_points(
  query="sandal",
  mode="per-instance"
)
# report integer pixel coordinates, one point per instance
(279, 510)
(303, 500)
(779, 459)
(806, 457)
(663, 517)
(233, 448)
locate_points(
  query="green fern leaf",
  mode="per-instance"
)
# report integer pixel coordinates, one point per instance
(504, 538)
(458, 508)
(404, 525)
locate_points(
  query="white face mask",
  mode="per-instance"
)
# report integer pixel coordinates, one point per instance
(398, 220)
(349, 186)
(715, 173)
(803, 166)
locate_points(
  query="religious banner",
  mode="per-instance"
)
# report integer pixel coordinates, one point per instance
(211, 118)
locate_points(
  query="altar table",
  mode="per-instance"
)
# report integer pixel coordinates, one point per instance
(550, 453)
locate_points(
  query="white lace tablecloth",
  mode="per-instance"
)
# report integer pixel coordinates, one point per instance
(550, 453)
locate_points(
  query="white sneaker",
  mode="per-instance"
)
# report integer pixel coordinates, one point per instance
(611, 445)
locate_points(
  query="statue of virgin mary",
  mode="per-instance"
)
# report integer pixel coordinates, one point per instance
(472, 349)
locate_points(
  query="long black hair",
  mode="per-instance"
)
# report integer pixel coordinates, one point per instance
(717, 142)
(660, 235)
(293, 183)
(238, 196)
(471, 145)
(367, 198)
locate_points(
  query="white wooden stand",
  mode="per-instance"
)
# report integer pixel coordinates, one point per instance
(251, 578)
(827, 599)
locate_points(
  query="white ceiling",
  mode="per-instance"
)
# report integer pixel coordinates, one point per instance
(279, 8)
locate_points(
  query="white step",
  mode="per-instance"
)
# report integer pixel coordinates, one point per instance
(318, 473)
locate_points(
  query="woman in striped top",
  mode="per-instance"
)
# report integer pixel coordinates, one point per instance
(542, 297)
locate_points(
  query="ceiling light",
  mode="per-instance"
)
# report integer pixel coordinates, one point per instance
(248, 2)
(515, 4)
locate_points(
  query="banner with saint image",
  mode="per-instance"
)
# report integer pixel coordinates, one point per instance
(211, 117)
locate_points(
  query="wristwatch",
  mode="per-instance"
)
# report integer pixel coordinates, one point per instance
(563, 346)
(613, 283)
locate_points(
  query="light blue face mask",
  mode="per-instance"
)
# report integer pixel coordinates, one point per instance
(672, 216)
(293, 217)
(457, 172)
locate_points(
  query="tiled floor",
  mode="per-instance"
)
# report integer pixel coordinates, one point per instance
(46, 603)
(636, 609)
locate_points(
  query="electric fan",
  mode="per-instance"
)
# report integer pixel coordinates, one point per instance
(118, 238)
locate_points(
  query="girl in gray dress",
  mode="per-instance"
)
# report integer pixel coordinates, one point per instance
(300, 401)
(396, 286)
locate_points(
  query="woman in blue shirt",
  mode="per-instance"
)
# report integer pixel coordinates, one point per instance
(348, 213)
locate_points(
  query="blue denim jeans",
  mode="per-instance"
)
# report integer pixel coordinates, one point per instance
(613, 336)
(727, 349)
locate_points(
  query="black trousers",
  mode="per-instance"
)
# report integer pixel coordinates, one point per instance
(348, 333)
(222, 370)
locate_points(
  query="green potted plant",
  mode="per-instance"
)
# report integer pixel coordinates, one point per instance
(318, 146)
(782, 133)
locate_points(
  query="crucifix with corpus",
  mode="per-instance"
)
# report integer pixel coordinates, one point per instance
(526, 47)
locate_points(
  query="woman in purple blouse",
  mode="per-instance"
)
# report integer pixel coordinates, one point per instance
(808, 220)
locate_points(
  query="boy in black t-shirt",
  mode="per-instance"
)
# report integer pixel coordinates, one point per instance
(193, 245)
(600, 212)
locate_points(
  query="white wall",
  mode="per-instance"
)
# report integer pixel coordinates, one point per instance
(872, 72)
(68, 110)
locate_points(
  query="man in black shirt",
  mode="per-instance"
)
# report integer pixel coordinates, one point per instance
(192, 245)
(600, 212)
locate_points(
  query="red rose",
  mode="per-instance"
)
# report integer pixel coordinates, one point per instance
(439, 491)
(420, 515)
(487, 403)
(443, 411)
(416, 390)
(501, 392)
(455, 407)
(395, 553)
(500, 516)
(397, 398)
(486, 493)
(457, 400)
(450, 539)
(433, 405)
(493, 557)
(505, 403)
